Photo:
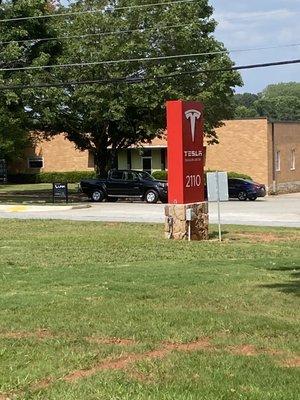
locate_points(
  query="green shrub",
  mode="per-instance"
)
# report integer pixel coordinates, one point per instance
(21, 178)
(163, 175)
(160, 175)
(232, 174)
(50, 177)
(71, 177)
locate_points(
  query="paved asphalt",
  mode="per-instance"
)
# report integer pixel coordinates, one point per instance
(283, 210)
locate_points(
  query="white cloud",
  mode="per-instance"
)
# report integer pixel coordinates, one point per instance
(255, 24)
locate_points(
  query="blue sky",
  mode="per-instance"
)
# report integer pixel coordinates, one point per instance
(245, 24)
(260, 23)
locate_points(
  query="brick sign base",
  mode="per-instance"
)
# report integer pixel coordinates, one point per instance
(177, 226)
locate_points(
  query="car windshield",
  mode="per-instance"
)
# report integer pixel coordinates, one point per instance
(145, 176)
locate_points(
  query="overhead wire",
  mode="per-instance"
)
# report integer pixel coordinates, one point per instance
(105, 9)
(130, 60)
(139, 80)
(110, 33)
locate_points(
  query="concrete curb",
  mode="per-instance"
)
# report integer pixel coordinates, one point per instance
(81, 206)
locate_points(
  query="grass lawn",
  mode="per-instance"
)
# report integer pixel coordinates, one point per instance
(33, 193)
(113, 311)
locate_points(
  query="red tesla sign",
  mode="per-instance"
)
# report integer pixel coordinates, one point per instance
(185, 152)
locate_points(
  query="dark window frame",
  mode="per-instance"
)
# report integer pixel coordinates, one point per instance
(121, 173)
(35, 162)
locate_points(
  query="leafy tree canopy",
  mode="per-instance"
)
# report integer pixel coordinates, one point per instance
(282, 89)
(281, 108)
(244, 105)
(277, 102)
(120, 114)
(15, 121)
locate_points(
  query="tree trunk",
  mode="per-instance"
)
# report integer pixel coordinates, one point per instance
(114, 158)
(102, 161)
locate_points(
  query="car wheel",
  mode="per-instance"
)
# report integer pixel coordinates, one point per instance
(252, 198)
(151, 196)
(97, 196)
(112, 199)
(242, 196)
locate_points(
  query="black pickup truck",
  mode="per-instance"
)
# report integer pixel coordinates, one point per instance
(125, 184)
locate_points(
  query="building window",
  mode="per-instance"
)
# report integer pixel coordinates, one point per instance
(293, 159)
(145, 152)
(163, 159)
(147, 164)
(129, 162)
(277, 161)
(91, 160)
(35, 162)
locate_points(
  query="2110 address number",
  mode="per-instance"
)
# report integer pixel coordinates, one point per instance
(192, 181)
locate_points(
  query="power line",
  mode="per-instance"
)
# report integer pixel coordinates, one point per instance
(107, 9)
(108, 62)
(141, 30)
(131, 80)
(93, 34)
(145, 59)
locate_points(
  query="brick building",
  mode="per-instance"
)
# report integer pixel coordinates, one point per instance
(267, 151)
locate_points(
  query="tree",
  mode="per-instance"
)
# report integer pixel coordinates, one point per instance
(244, 105)
(281, 108)
(127, 111)
(244, 112)
(278, 102)
(245, 99)
(282, 89)
(15, 121)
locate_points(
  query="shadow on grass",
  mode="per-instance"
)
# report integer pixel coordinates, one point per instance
(288, 268)
(292, 287)
(215, 234)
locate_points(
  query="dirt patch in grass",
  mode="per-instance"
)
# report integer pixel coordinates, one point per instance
(42, 384)
(292, 363)
(243, 350)
(265, 237)
(40, 334)
(251, 350)
(44, 334)
(112, 224)
(124, 361)
(140, 376)
(114, 340)
(200, 344)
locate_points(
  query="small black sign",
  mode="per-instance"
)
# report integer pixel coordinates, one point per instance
(3, 172)
(60, 191)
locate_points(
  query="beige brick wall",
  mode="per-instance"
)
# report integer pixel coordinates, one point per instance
(61, 155)
(287, 138)
(243, 147)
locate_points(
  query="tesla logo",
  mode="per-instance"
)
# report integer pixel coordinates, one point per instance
(193, 115)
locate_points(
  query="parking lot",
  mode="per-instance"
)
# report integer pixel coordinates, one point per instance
(283, 210)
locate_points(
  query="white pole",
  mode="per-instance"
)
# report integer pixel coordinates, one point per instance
(219, 213)
(189, 231)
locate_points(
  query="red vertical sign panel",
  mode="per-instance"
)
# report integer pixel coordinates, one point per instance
(185, 152)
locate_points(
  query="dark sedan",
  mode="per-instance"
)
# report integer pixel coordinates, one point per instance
(244, 189)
